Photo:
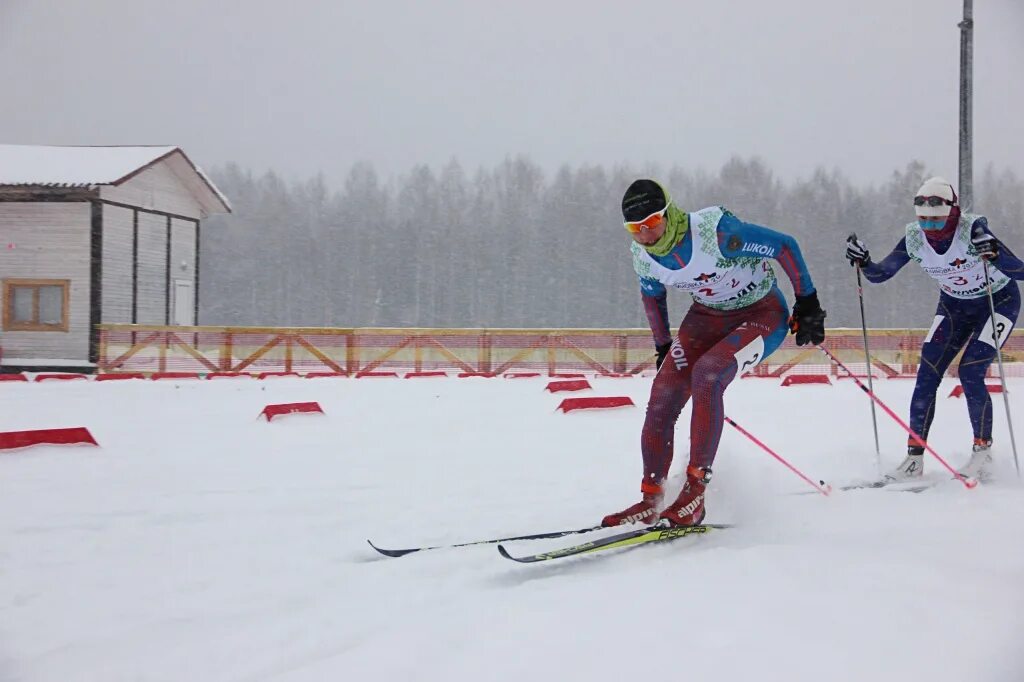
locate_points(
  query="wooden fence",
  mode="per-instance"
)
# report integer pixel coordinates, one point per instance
(144, 348)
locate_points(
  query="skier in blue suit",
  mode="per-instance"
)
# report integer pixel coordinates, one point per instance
(952, 247)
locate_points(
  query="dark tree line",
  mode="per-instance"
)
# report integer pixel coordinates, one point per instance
(509, 247)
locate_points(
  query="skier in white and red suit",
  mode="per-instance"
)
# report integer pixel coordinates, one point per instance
(738, 318)
(951, 246)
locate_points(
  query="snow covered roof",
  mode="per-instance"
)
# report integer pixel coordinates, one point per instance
(73, 166)
(54, 166)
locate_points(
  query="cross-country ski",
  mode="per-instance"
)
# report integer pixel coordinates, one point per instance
(632, 538)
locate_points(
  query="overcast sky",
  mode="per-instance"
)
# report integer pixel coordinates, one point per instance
(310, 85)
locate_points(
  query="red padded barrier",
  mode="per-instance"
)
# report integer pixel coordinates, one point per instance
(13, 377)
(570, 404)
(120, 377)
(23, 439)
(806, 379)
(959, 390)
(573, 385)
(62, 377)
(271, 411)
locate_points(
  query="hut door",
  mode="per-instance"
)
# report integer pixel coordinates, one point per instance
(184, 303)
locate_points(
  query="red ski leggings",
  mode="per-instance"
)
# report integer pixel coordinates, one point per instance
(712, 347)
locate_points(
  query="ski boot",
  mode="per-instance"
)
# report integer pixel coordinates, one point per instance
(981, 457)
(644, 511)
(911, 468)
(688, 509)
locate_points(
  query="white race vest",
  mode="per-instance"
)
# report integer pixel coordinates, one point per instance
(960, 271)
(711, 278)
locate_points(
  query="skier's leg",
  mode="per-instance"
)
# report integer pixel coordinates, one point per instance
(755, 334)
(974, 364)
(948, 334)
(671, 389)
(669, 393)
(978, 357)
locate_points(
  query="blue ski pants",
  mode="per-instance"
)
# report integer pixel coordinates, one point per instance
(966, 324)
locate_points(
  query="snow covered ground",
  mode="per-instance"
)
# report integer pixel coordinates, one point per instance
(199, 543)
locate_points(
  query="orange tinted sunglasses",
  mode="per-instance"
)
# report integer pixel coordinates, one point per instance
(651, 222)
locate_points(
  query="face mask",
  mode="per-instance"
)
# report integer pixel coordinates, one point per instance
(932, 223)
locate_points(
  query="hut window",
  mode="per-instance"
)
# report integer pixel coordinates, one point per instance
(36, 305)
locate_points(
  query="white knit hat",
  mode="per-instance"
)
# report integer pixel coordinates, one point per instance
(935, 187)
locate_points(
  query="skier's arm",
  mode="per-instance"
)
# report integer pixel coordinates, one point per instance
(1006, 261)
(889, 266)
(655, 301)
(737, 239)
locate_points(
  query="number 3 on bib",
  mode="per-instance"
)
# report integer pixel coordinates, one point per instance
(1003, 328)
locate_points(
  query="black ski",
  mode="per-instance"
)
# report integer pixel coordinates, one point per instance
(631, 538)
(887, 484)
(535, 536)
(897, 486)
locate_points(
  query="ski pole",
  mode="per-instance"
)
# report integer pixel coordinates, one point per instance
(968, 482)
(867, 360)
(823, 490)
(999, 357)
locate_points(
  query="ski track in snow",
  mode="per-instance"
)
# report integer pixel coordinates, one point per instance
(199, 543)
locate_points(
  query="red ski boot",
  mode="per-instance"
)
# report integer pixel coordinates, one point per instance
(644, 511)
(688, 509)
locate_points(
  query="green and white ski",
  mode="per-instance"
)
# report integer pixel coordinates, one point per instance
(632, 538)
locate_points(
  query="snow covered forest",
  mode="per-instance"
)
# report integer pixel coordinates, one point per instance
(512, 246)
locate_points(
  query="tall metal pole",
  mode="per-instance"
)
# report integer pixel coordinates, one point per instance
(966, 113)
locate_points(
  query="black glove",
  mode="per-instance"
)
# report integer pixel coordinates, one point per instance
(808, 320)
(986, 244)
(856, 251)
(662, 353)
